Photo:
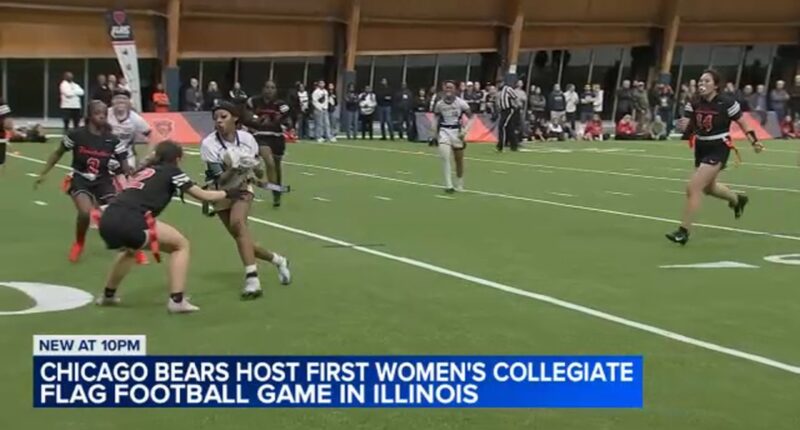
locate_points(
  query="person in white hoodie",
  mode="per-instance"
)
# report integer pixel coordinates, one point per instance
(71, 94)
(322, 120)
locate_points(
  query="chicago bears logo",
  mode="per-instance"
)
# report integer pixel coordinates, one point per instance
(164, 127)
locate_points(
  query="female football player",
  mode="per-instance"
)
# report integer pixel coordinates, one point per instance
(270, 116)
(449, 111)
(708, 121)
(95, 153)
(231, 157)
(129, 223)
(129, 127)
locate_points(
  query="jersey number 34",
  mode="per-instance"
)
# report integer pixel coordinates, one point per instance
(704, 121)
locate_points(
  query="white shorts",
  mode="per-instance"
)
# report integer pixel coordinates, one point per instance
(452, 137)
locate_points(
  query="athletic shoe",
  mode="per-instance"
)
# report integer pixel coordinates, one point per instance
(182, 307)
(141, 258)
(681, 236)
(284, 275)
(75, 252)
(738, 207)
(333, 140)
(459, 188)
(252, 289)
(320, 140)
(107, 301)
(449, 190)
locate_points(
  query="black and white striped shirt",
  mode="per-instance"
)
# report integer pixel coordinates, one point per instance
(507, 98)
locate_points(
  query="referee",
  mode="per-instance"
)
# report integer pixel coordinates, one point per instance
(507, 103)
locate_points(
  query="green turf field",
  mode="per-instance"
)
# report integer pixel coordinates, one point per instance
(556, 250)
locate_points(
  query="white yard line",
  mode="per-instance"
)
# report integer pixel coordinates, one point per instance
(386, 199)
(619, 193)
(573, 169)
(550, 203)
(307, 173)
(39, 202)
(320, 199)
(33, 175)
(524, 293)
(500, 172)
(682, 193)
(561, 194)
(439, 196)
(403, 172)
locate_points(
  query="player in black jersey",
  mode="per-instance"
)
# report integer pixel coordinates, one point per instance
(4, 112)
(96, 152)
(708, 122)
(129, 223)
(270, 116)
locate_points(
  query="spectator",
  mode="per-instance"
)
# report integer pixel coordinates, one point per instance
(404, 109)
(470, 97)
(761, 103)
(658, 129)
(350, 113)
(598, 99)
(193, 97)
(421, 102)
(320, 99)
(626, 128)
(788, 129)
(462, 88)
(624, 100)
(385, 109)
(112, 82)
(537, 103)
(213, 96)
(587, 103)
(160, 99)
(665, 106)
(555, 131)
(302, 113)
(539, 129)
(594, 129)
(557, 104)
(123, 84)
(692, 87)
(572, 100)
(779, 98)
(366, 105)
(237, 94)
(794, 101)
(71, 94)
(491, 102)
(749, 98)
(641, 104)
(102, 92)
(480, 96)
(333, 111)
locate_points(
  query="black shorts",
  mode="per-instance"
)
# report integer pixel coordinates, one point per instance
(276, 144)
(3, 148)
(101, 190)
(711, 152)
(123, 227)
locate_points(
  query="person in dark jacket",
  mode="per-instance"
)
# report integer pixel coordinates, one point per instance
(557, 104)
(213, 96)
(102, 92)
(404, 110)
(350, 112)
(624, 100)
(193, 97)
(385, 101)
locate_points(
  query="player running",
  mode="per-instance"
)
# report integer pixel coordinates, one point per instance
(708, 121)
(449, 111)
(232, 160)
(95, 153)
(127, 124)
(129, 223)
(270, 117)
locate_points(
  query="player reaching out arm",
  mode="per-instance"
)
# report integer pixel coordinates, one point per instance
(129, 224)
(708, 122)
(449, 134)
(95, 153)
(231, 157)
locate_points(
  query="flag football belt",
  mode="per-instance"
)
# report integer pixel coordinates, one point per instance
(726, 138)
(66, 182)
(155, 249)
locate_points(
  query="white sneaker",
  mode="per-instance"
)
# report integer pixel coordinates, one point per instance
(333, 140)
(284, 274)
(252, 289)
(459, 185)
(182, 307)
(107, 301)
(320, 140)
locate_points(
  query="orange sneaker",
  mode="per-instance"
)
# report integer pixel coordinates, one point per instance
(75, 252)
(141, 258)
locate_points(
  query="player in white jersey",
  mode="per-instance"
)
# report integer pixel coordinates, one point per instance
(449, 135)
(127, 124)
(232, 161)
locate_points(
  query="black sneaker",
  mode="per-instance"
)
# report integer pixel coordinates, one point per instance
(681, 235)
(449, 190)
(738, 207)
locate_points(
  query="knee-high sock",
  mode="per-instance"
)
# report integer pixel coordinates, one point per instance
(447, 154)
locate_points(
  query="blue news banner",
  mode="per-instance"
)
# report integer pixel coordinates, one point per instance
(339, 381)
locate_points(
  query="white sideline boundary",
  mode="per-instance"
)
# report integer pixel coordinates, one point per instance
(517, 291)
(535, 166)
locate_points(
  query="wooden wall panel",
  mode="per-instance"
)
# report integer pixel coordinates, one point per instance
(29, 34)
(738, 35)
(376, 39)
(200, 38)
(550, 37)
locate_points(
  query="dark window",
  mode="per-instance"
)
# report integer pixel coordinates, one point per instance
(453, 67)
(576, 67)
(219, 71)
(316, 70)
(391, 68)
(363, 72)
(25, 87)
(420, 70)
(287, 71)
(253, 74)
